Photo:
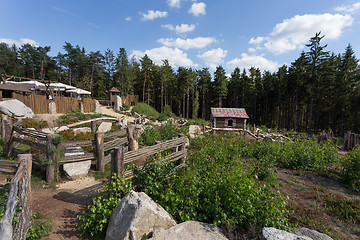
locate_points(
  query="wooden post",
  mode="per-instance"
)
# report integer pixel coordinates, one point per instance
(133, 133)
(99, 144)
(346, 141)
(93, 126)
(8, 137)
(117, 160)
(3, 130)
(50, 155)
(181, 148)
(352, 135)
(204, 127)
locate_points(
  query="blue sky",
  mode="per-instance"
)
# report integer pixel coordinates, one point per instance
(189, 33)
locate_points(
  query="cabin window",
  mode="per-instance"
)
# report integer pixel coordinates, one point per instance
(230, 122)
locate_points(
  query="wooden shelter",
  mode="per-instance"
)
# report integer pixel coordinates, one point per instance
(113, 92)
(7, 90)
(228, 118)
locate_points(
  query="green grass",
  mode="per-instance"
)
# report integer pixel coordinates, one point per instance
(145, 109)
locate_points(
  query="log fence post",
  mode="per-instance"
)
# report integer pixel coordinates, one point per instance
(99, 144)
(8, 137)
(182, 148)
(133, 134)
(3, 124)
(50, 155)
(93, 126)
(117, 160)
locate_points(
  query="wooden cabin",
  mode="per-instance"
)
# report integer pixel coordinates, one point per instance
(228, 118)
(113, 92)
(7, 90)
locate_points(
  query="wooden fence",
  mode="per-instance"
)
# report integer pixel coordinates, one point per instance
(120, 157)
(351, 140)
(19, 198)
(44, 146)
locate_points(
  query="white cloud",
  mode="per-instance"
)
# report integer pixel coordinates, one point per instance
(199, 42)
(151, 15)
(252, 50)
(213, 57)
(180, 29)
(175, 56)
(174, 3)
(22, 41)
(184, 28)
(351, 9)
(257, 40)
(247, 61)
(128, 19)
(198, 9)
(293, 33)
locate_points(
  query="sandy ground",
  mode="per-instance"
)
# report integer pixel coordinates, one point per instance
(111, 112)
(62, 205)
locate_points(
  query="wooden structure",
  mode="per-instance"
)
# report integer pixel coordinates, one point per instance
(228, 118)
(113, 92)
(8, 91)
(19, 199)
(351, 140)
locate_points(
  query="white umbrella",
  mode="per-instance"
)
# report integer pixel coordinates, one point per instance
(61, 86)
(79, 91)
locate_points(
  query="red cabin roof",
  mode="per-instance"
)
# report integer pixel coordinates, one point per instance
(229, 112)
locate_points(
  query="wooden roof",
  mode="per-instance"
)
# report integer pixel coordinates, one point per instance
(13, 87)
(229, 112)
(114, 89)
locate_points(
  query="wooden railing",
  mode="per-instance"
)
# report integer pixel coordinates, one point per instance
(19, 198)
(120, 157)
(351, 140)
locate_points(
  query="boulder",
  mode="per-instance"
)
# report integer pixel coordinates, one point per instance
(190, 230)
(52, 108)
(315, 235)
(48, 130)
(81, 130)
(135, 216)
(62, 128)
(105, 127)
(270, 233)
(81, 107)
(117, 103)
(97, 106)
(15, 108)
(194, 130)
(76, 169)
(122, 122)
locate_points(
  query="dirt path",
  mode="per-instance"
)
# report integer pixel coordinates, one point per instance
(111, 112)
(63, 204)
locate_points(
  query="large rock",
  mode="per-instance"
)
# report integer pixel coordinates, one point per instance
(117, 103)
(76, 169)
(315, 235)
(190, 230)
(270, 233)
(81, 130)
(15, 108)
(194, 130)
(105, 127)
(97, 106)
(52, 108)
(137, 214)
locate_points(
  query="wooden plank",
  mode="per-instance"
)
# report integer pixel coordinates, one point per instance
(31, 143)
(31, 133)
(116, 142)
(38, 161)
(78, 158)
(89, 121)
(78, 144)
(115, 134)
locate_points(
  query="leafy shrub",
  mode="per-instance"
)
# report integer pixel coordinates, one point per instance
(350, 174)
(95, 220)
(145, 109)
(31, 123)
(166, 113)
(72, 117)
(38, 228)
(163, 133)
(126, 107)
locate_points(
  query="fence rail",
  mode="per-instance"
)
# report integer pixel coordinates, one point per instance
(351, 140)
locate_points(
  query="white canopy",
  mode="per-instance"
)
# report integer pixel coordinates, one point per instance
(79, 91)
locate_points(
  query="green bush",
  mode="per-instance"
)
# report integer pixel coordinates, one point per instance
(166, 132)
(39, 227)
(31, 123)
(126, 107)
(166, 113)
(350, 174)
(95, 220)
(145, 109)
